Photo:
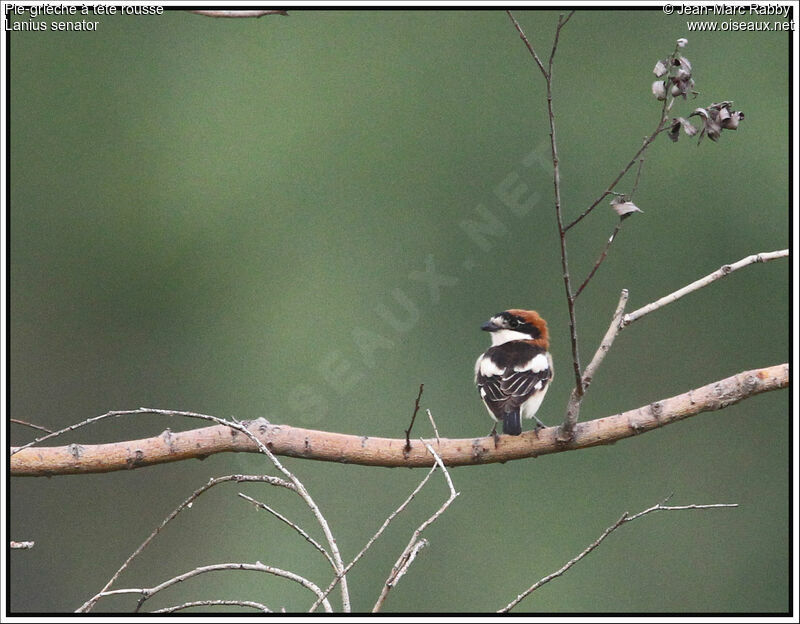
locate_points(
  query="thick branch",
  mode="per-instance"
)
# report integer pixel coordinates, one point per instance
(367, 451)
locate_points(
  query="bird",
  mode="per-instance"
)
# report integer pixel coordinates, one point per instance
(514, 374)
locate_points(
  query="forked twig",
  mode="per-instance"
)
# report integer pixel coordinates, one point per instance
(620, 322)
(17, 421)
(562, 231)
(433, 424)
(413, 418)
(378, 533)
(415, 543)
(187, 504)
(603, 255)
(298, 485)
(216, 603)
(723, 271)
(298, 529)
(573, 406)
(623, 519)
(148, 592)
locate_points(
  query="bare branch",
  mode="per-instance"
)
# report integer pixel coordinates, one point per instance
(602, 257)
(148, 592)
(618, 324)
(262, 448)
(562, 21)
(623, 519)
(548, 76)
(299, 530)
(367, 451)
(659, 129)
(409, 559)
(379, 532)
(17, 421)
(415, 544)
(83, 423)
(638, 175)
(574, 404)
(413, 418)
(433, 424)
(605, 345)
(723, 271)
(187, 504)
(614, 233)
(298, 486)
(527, 44)
(215, 603)
(662, 125)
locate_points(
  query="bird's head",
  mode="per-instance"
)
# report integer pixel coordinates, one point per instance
(518, 325)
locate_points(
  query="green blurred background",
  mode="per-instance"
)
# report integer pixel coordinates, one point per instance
(206, 212)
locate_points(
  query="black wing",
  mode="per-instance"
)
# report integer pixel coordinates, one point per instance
(507, 389)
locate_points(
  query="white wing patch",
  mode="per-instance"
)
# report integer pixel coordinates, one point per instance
(488, 368)
(535, 365)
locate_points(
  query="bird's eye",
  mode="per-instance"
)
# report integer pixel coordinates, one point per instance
(513, 323)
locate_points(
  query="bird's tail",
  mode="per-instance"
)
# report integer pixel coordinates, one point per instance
(512, 425)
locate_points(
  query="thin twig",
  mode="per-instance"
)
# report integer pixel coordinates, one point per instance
(415, 544)
(148, 592)
(623, 519)
(638, 175)
(215, 603)
(527, 44)
(83, 423)
(616, 231)
(619, 177)
(723, 271)
(17, 421)
(608, 339)
(602, 257)
(433, 424)
(299, 530)
(409, 559)
(617, 228)
(562, 21)
(573, 406)
(662, 125)
(620, 323)
(413, 417)
(548, 76)
(377, 534)
(187, 504)
(298, 485)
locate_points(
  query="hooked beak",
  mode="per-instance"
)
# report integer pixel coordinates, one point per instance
(489, 326)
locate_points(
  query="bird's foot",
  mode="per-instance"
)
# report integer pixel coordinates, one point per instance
(493, 434)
